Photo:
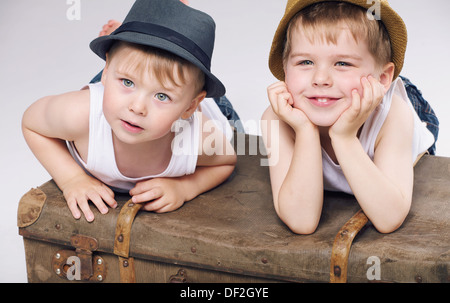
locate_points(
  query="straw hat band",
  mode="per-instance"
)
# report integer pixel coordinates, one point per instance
(166, 34)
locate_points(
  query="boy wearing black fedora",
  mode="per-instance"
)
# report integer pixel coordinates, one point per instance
(345, 121)
(141, 130)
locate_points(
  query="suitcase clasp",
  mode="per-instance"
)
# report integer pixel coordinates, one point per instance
(80, 264)
(180, 277)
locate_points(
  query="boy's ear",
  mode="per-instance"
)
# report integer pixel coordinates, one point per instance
(193, 106)
(387, 75)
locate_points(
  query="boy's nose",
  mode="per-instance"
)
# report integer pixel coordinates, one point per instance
(322, 78)
(138, 107)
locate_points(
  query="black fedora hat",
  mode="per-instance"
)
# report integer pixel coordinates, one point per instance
(172, 26)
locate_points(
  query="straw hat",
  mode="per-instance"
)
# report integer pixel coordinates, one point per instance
(393, 22)
(172, 26)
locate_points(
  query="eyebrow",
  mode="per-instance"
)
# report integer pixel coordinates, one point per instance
(293, 55)
(340, 56)
(349, 56)
(126, 73)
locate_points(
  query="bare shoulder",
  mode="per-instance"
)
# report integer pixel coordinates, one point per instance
(400, 114)
(64, 116)
(73, 109)
(400, 109)
(76, 99)
(399, 123)
(269, 114)
(273, 126)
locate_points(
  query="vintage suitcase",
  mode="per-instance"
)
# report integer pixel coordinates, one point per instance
(232, 234)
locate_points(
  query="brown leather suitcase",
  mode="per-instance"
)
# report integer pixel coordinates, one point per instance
(232, 234)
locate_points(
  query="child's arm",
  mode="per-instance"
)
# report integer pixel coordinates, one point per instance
(295, 164)
(214, 166)
(383, 187)
(46, 125)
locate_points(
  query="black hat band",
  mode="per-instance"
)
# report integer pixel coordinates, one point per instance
(166, 34)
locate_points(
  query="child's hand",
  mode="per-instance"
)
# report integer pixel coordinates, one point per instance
(79, 190)
(164, 194)
(282, 104)
(356, 115)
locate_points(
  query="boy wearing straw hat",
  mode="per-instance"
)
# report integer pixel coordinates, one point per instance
(140, 129)
(345, 121)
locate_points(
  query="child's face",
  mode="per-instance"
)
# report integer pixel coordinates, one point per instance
(138, 107)
(321, 75)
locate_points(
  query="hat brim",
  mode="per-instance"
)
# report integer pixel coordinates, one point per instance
(394, 24)
(101, 45)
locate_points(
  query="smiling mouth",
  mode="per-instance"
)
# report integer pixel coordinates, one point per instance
(323, 101)
(131, 127)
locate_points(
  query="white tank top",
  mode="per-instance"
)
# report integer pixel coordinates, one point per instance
(101, 162)
(333, 176)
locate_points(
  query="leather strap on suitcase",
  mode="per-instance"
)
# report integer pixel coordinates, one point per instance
(342, 244)
(339, 256)
(122, 241)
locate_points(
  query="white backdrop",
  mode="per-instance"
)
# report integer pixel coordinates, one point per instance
(43, 52)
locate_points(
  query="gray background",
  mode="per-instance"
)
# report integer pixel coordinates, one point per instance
(43, 53)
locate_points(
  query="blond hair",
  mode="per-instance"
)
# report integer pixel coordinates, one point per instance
(166, 67)
(319, 21)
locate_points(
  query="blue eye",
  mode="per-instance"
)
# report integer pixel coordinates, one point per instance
(340, 63)
(306, 62)
(127, 83)
(162, 97)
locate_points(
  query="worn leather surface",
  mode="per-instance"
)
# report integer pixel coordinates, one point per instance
(234, 228)
(30, 207)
